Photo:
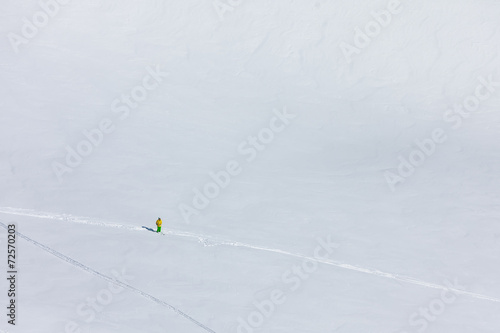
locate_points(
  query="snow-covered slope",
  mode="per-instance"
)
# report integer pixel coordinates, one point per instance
(320, 166)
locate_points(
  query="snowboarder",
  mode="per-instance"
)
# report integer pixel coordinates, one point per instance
(158, 225)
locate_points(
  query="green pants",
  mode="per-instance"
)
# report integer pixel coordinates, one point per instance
(158, 229)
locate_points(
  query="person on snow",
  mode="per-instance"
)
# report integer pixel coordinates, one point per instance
(158, 225)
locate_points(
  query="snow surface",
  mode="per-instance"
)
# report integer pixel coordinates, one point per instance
(322, 178)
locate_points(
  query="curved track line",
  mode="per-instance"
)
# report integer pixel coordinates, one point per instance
(211, 241)
(400, 278)
(65, 218)
(109, 279)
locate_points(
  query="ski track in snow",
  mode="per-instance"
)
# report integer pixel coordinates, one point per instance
(210, 241)
(109, 279)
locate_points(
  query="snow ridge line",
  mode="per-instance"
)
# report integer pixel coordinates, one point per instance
(109, 279)
(210, 241)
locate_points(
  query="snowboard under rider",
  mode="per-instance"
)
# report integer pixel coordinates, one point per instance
(158, 225)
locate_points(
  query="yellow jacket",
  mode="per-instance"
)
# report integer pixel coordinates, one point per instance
(158, 223)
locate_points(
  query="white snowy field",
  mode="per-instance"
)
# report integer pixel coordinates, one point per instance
(320, 166)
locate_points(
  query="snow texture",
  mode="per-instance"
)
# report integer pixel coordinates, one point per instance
(319, 166)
